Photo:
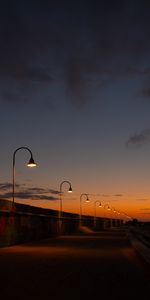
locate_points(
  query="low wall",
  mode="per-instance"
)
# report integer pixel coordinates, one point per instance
(27, 223)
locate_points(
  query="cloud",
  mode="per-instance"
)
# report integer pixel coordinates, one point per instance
(76, 82)
(143, 200)
(27, 195)
(41, 191)
(139, 139)
(34, 74)
(145, 208)
(146, 211)
(34, 193)
(23, 65)
(109, 195)
(6, 186)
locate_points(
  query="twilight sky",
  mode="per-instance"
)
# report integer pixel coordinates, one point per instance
(75, 89)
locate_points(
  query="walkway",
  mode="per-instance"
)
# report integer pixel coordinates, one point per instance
(90, 266)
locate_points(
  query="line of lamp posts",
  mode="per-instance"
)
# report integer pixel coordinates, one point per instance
(106, 207)
(32, 163)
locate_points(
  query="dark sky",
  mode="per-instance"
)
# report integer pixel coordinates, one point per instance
(75, 88)
(81, 46)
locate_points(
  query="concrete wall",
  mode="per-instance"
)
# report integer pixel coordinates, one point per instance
(27, 223)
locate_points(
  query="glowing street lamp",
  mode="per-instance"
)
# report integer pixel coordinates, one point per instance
(87, 200)
(100, 205)
(108, 207)
(30, 164)
(60, 208)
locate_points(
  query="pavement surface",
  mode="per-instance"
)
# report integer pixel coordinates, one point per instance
(140, 245)
(87, 266)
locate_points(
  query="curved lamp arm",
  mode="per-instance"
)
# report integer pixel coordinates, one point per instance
(69, 191)
(31, 163)
(66, 181)
(100, 205)
(87, 200)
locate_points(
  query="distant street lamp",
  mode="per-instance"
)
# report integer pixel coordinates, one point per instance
(115, 219)
(107, 207)
(87, 200)
(100, 205)
(126, 216)
(60, 209)
(31, 164)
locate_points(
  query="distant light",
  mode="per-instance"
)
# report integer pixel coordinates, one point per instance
(100, 205)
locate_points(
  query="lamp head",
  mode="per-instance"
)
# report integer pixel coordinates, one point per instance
(70, 190)
(87, 199)
(100, 205)
(31, 163)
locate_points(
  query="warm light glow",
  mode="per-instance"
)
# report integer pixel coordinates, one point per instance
(31, 163)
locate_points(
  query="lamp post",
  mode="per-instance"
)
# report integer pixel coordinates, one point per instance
(114, 220)
(87, 200)
(108, 208)
(60, 208)
(31, 163)
(100, 205)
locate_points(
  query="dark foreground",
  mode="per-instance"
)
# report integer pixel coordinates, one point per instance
(74, 267)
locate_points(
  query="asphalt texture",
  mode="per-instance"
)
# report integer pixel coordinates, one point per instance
(91, 266)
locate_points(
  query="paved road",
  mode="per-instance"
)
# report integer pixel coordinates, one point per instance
(74, 267)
